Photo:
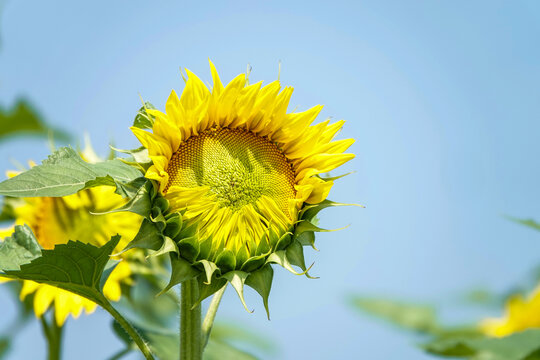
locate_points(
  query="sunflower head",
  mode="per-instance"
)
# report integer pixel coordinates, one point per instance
(238, 178)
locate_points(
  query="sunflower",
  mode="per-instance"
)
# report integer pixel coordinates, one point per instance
(236, 166)
(56, 220)
(521, 314)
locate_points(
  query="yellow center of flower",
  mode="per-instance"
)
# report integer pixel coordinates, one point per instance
(236, 165)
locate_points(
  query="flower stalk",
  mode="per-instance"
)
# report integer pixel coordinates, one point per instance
(190, 322)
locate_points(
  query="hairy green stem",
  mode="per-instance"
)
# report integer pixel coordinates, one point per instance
(190, 322)
(211, 315)
(135, 336)
(53, 334)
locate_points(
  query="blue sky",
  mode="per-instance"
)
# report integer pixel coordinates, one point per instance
(441, 97)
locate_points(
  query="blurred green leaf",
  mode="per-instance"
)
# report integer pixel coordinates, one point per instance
(414, 317)
(64, 173)
(520, 346)
(527, 222)
(23, 119)
(4, 347)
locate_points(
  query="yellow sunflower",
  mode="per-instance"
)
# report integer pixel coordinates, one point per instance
(56, 220)
(520, 314)
(236, 165)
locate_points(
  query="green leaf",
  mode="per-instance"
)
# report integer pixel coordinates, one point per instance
(75, 267)
(65, 173)
(20, 248)
(223, 351)
(519, 346)
(261, 281)
(527, 222)
(23, 119)
(143, 120)
(414, 317)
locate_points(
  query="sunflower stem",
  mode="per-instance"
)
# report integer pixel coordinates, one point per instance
(211, 315)
(190, 321)
(53, 333)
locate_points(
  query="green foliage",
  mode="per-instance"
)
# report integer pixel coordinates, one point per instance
(22, 119)
(527, 222)
(418, 318)
(65, 173)
(20, 248)
(519, 346)
(75, 266)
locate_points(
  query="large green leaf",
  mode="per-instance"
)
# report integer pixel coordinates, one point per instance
(23, 119)
(75, 267)
(65, 173)
(520, 346)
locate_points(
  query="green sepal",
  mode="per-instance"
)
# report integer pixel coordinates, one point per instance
(208, 289)
(295, 255)
(173, 225)
(333, 178)
(157, 218)
(264, 246)
(168, 246)
(310, 211)
(261, 281)
(161, 203)
(237, 280)
(148, 237)
(253, 263)
(19, 248)
(280, 258)
(305, 225)
(188, 231)
(143, 120)
(139, 155)
(181, 270)
(205, 248)
(189, 248)
(242, 255)
(140, 203)
(226, 261)
(284, 241)
(307, 239)
(209, 269)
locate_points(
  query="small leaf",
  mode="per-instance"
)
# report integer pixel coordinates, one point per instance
(310, 211)
(237, 280)
(189, 248)
(209, 269)
(207, 289)
(295, 255)
(65, 173)
(20, 248)
(261, 281)
(226, 260)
